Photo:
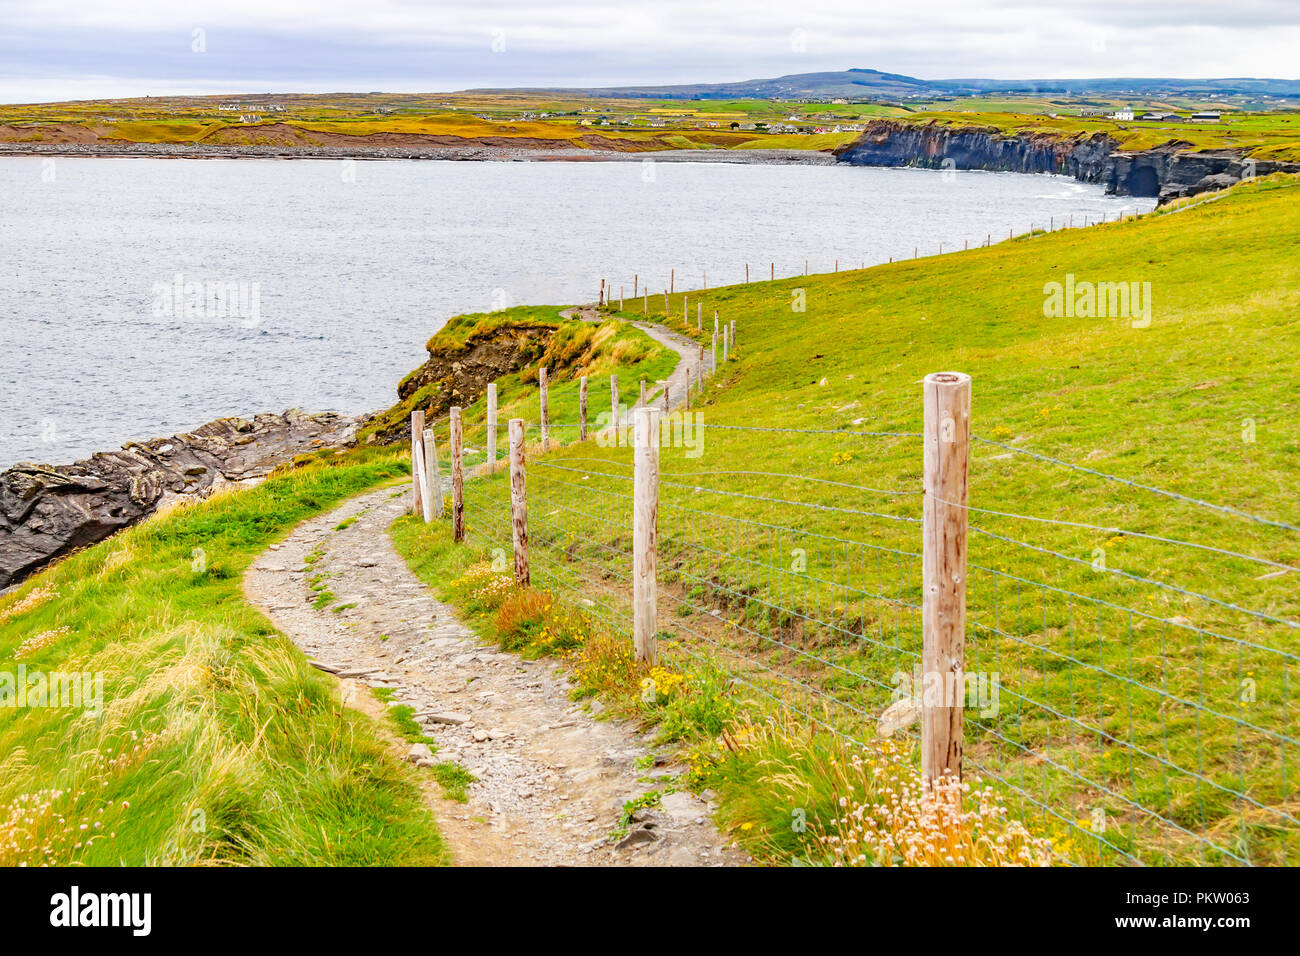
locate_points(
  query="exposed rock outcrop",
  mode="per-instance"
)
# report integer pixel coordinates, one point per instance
(461, 374)
(47, 511)
(1167, 172)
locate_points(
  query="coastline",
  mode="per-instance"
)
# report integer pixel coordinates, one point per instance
(476, 153)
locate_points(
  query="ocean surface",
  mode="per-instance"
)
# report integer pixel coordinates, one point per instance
(142, 297)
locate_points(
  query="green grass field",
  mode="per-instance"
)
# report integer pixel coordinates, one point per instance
(1138, 693)
(215, 743)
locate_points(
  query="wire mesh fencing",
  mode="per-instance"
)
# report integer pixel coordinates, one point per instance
(1127, 687)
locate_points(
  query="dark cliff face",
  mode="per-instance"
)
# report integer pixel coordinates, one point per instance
(48, 511)
(459, 375)
(1166, 172)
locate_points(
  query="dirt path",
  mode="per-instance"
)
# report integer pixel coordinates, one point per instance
(552, 779)
(688, 352)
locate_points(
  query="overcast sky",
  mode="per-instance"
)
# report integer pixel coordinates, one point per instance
(59, 49)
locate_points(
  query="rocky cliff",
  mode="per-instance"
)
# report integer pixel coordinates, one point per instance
(458, 374)
(1167, 172)
(48, 511)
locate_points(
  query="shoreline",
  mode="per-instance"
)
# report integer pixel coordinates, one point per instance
(761, 157)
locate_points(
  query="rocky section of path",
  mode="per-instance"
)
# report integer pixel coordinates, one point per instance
(47, 511)
(552, 779)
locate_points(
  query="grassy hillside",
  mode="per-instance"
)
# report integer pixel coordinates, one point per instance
(215, 743)
(1147, 696)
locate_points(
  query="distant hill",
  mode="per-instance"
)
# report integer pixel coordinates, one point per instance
(873, 84)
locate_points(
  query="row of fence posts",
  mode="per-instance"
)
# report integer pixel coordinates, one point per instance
(608, 297)
(946, 437)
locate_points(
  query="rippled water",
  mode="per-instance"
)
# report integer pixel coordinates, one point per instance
(341, 271)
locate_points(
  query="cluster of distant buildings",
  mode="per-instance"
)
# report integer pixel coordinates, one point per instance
(1125, 116)
(792, 125)
(249, 112)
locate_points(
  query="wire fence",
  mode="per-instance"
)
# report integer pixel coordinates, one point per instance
(1127, 688)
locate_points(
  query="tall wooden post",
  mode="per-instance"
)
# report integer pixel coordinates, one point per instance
(733, 335)
(773, 276)
(714, 360)
(457, 478)
(746, 273)
(417, 460)
(724, 344)
(636, 282)
(613, 400)
(645, 522)
(620, 298)
(665, 396)
(541, 401)
(600, 303)
(672, 280)
(519, 502)
(943, 570)
(492, 422)
(582, 408)
(432, 478)
(642, 402)
(420, 463)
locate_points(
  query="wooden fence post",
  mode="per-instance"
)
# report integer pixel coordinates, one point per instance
(457, 479)
(613, 400)
(714, 362)
(746, 273)
(582, 408)
(672, 280)
(519, 502)
(645, 520)
(642, 401)
(541, 401)
(432, 478)
(943, 572)
(773, 276)
(733, 335)
(600, 303)
(492, 422)
(417, 457)
(701, 382)
(636, 282)
(665, 396)
(724, 344)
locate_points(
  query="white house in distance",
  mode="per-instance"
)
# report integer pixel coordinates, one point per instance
(1122, 115)
(1209, 116)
